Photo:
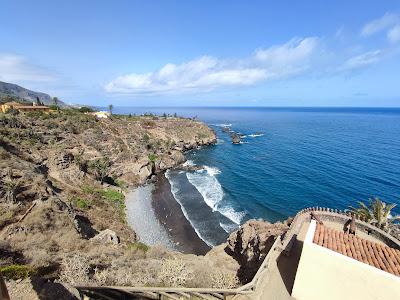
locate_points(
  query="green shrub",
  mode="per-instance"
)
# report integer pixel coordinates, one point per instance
(152, 157)
(113, 196)
(17, 271)
(146, 138)
(120, 183)
(88, 189)
(85, 109)
(101, 168)
(138, 246)
(81, 203)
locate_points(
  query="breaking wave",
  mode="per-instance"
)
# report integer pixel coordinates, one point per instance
(206, 182)
(222, 125)
(256, 135)
(174, 191)
(188, 163)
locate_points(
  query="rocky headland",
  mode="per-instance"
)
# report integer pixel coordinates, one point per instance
(63, 181)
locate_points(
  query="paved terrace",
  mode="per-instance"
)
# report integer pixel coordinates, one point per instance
(275, 277)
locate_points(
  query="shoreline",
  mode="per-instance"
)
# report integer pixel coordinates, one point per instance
(169, 213)
(141, 218)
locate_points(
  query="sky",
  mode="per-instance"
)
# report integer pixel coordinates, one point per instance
(205, 53)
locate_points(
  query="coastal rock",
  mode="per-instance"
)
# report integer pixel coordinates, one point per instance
(51, 163)
(188, 168)
(251, 243)
(145, 172)
(107, 237)
(235, 138)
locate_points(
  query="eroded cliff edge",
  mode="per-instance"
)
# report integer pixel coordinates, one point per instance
(63, 177)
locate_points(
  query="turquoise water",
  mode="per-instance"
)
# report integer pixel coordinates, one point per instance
(299, 157)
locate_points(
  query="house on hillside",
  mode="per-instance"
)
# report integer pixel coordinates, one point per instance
(330, 255)
(24, 108)
(99, 114)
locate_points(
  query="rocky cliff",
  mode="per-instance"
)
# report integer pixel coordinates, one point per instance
(62, 180)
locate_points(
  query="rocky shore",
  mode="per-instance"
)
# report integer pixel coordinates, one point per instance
(64, 178)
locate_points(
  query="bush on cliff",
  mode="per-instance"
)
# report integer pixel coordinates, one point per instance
(100, 168)
(17, 271)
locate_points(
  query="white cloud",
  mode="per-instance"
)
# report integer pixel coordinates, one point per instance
(377, 25)
(292, 52)
(207, 73)
(362, 60)
(16, 69)
(394, 34)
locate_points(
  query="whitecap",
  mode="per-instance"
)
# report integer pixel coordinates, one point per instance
(256, 135)
(231, 214)
(206, 182)
(222, 125)
(174, 191)
(188, 163)
(212, 170)
(228, 228)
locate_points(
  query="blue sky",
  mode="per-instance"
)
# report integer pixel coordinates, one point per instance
(205, 53)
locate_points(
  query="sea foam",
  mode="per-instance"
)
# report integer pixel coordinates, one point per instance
(174, 191)
(206, 182)
(256, 135)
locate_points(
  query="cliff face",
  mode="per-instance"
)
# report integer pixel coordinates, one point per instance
(63, 177)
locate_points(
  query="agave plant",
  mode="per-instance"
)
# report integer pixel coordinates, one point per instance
(378, 212)
(11, 188)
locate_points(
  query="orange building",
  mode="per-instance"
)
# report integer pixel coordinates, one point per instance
(24, 108)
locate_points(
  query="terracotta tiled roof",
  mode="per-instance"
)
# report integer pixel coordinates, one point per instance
(31, 107)
(375, 254)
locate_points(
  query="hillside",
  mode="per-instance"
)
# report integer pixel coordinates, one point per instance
(10, 89)
(63, 180)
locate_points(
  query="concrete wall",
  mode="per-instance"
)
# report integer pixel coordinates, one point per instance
(325, 274)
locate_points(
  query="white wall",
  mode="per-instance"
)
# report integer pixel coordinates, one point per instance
(325, 274)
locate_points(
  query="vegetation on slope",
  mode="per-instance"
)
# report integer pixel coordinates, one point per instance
(63, 176)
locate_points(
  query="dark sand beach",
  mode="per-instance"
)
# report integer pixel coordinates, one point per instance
(169, 213)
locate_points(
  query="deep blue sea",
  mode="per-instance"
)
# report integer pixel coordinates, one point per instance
(290, 158)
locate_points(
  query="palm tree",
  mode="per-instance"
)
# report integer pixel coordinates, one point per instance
(110, 108)
(378, 212)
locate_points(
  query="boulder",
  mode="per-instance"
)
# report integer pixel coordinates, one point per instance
(83, 225)
(107, 237)
(145, 172)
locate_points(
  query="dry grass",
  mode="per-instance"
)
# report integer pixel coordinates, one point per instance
(224, 280)
(75, 270)
(175, 273)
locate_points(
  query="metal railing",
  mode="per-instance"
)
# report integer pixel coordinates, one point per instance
(282, 243)
(106, 292)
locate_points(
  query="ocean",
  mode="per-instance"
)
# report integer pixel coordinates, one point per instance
(290, 158)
